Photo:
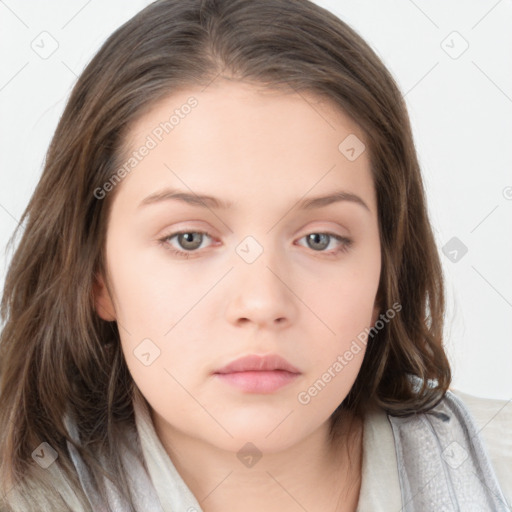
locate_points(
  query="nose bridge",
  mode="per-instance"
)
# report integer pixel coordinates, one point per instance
(261, 293)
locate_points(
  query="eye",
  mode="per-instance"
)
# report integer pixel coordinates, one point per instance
(188, 240)
(320, 241)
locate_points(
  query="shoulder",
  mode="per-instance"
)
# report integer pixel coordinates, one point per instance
(493, 419)
(459, 451)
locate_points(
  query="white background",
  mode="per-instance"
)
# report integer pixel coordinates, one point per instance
(460, 108)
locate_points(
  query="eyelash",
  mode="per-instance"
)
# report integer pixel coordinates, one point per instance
(346, 243)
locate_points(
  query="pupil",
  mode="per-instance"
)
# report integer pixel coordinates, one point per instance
(315, 238)
(319, 238)
(188, 238)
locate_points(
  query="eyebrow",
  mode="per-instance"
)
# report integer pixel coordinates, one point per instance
(210, 202)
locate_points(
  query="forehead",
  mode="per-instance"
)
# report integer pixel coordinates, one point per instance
(231, 137)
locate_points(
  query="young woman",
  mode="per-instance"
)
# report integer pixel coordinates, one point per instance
(227, 295)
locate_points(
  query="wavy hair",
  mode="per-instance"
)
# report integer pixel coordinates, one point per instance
(57, 355)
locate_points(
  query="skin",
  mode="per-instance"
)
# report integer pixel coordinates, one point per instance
(264, 151)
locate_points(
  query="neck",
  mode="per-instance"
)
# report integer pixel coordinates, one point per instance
(313, 474)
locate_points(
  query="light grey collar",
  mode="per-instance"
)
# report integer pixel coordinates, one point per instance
(442, 462)
(442, 465)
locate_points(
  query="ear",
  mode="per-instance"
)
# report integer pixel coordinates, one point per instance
(375, 314)
(102, 300)
(376, 309)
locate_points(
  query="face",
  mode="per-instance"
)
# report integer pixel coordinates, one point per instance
(261, 270)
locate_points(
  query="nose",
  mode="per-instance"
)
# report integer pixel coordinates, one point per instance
(261, 294)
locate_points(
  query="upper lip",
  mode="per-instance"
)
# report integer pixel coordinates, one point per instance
(256, 362)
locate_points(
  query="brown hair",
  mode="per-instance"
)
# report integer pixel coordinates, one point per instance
(57, 355)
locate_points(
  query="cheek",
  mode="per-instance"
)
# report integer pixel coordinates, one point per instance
(337, 357)
(156, 305)
(346, 305)
(151, 295)
(345, 298)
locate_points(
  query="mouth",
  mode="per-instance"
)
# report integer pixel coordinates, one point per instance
(258, 381)
(258, 374)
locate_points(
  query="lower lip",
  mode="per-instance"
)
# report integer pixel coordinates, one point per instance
(258, 381)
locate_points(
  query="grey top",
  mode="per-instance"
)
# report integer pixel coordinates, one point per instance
(456, 457)
(382, 457)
